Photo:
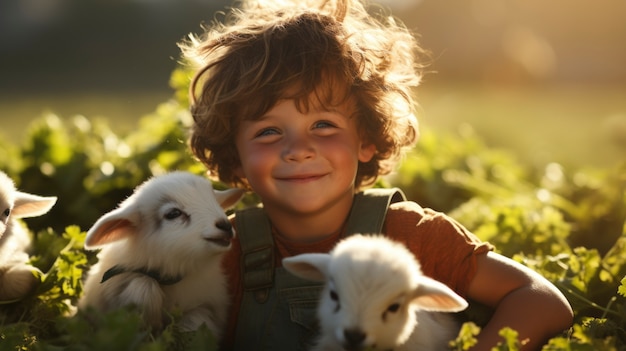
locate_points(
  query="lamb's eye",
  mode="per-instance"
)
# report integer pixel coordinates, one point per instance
(7, 212)
(335, 298)
(393, 307)
(173, 214)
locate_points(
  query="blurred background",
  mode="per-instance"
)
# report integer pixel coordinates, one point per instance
(544, 79)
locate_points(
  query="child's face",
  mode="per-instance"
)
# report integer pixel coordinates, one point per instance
(298, 161)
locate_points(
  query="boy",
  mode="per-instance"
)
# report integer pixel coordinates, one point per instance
(306, 104)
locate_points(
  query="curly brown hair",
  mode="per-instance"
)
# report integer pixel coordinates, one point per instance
(335, 51)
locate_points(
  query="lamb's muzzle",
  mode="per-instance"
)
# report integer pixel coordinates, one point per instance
(224, 237)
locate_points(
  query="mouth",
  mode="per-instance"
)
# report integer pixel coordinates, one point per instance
(301, 178)
(221, 240)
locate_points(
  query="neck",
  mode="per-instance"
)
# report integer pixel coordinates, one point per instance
(308, 227)
(154, 274)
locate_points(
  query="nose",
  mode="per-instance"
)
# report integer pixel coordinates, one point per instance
(354, 338)
(224, 225)
(298, 148)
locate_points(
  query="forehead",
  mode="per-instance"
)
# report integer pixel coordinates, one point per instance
(373, 271)
(287, 107)
(330, 89)
(7, 189)
(327, 93)
(176, 188)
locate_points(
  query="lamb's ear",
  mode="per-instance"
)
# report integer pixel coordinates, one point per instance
(311, 266)
(113, 226)
(229, 197)
(432, 295)
(29, 205)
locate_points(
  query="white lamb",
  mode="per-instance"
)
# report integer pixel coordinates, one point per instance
(376, 298)
(17, 277)
(161, 252)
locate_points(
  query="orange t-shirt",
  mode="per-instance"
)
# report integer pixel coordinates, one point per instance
(445, 249)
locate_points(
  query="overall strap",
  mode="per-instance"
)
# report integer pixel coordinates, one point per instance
(255, 235)
(369, 209)
(257, 246)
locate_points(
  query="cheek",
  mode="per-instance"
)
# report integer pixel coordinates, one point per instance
(327, 313)
(341, 151)
(255, 161)
(404, 322)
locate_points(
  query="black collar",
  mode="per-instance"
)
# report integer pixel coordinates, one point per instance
(154, 274)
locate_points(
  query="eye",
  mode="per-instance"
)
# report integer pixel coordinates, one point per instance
(173, 214)
(393, 308)
(267, 131)
(323, 124)
(7, 212)
(334, 296)
(324, 128)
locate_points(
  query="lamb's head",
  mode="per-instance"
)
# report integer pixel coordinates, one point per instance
(18, 204)
(373, 289)
(177, 215)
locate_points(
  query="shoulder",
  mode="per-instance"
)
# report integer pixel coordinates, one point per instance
(410, 213)
(407, 218)
(446, 249)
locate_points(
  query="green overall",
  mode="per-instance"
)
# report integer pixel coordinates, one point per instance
(278, 310)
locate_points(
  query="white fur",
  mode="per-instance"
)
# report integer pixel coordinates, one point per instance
(375, 292)
(189, 244)
(17, 277)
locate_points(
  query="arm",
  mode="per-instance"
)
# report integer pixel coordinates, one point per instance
(522, 300)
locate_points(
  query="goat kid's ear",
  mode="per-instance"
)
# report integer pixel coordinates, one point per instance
(312, 266)
(229, 197)
(29, 205)
(432, 295)
(113, 226)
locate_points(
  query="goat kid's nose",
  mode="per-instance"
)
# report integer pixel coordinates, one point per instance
(354, 338)
(224, 225)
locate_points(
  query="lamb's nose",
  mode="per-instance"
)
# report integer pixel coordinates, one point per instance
(224, 225)
(354, 337)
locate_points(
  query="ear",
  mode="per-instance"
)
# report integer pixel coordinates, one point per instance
(432, 295)
(366, 152)
(311, 266)
(229, 197)
(113, 226)
(29, 205)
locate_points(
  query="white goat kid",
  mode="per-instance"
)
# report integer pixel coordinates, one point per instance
(17, 277)
(376, 298)
(161, 252)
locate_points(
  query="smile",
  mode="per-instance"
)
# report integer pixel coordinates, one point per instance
(301, 178)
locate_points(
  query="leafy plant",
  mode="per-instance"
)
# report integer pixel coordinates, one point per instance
(568, 225)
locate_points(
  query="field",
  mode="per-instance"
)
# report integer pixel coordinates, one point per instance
(538, 170)
(574, 126)
(538, 173)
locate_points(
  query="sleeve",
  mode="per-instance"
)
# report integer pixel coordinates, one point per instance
(446, 250)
